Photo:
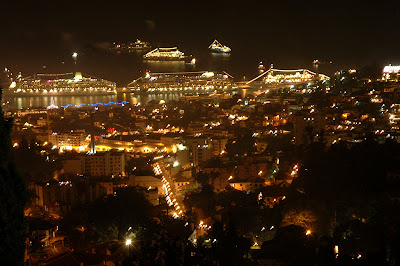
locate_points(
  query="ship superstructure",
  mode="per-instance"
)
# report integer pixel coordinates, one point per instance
(217, 47)
(275, 77)
(199, 82)
(130, 47)
(165, 54)
(62, 84)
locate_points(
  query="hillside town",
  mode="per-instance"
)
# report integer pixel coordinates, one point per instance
(251, 178)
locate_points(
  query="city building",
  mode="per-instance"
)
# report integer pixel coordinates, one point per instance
(74, 140)
(246, 184)
(181, 182)
(73, 166)
(218, 145)
(63, 195)
(194, 150)
(98, 164)
(146, 180)
(104, 163)
(307, 126)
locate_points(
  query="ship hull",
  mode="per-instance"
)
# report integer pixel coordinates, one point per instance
(166, 58)
(220, 51)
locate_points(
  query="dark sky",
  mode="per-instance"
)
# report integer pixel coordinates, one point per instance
(350, 33)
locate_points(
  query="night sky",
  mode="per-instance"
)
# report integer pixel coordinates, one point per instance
(290, 33)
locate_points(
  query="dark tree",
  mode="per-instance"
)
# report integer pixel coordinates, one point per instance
(242, 145)
(13, 197)
(230, 247)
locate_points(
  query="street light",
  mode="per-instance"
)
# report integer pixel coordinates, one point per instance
(128, 242)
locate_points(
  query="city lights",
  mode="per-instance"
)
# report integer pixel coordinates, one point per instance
(141, 153)
(169, 195)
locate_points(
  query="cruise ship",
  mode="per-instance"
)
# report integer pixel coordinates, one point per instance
(166, 54)
(61, 84)
(130, 47)
(217, 47)
(185, 82)
(281, 78)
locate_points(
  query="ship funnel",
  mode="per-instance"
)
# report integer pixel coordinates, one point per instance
(78, 76)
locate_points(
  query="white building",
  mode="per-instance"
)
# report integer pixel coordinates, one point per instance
(99, 164)
(70, 141)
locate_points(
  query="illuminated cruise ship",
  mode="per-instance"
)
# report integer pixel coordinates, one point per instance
(391, 73)
(172, 54)
(61, 84)
(275, 76)
(130, 47)
(198, 82)
(217, 47)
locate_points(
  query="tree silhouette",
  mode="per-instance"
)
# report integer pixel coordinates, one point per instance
(13, 197)
(243, 144)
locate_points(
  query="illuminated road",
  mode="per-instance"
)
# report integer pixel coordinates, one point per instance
(170, 193)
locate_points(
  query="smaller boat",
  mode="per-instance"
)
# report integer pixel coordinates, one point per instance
(192, 61)
(217, 47)
(141, 44)
(130, 47)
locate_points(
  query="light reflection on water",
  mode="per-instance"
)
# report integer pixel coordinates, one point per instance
(213, 62)
(15, 102)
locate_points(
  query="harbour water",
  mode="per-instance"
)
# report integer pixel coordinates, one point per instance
(17, 102)
(123, 68)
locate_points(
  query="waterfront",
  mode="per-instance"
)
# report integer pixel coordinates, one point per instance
(124, 68)
(121, 68)
(18, 102)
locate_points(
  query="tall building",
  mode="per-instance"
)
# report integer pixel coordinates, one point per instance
(306, 123)
(99, 164)
(64, 195)
(194, 150)
(71, 140)
(218, 145)
(103, 164)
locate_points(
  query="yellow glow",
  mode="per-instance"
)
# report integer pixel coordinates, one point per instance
(13, 85)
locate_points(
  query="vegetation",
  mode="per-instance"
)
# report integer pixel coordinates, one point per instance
(13, 197)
